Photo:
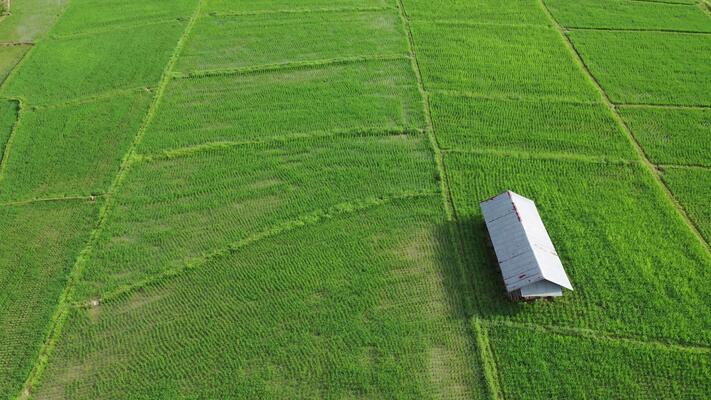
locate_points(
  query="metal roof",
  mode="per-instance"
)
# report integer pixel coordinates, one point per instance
(523, 248)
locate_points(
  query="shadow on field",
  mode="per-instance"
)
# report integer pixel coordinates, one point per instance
(471, 273)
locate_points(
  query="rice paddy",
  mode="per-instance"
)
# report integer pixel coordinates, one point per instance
(279, 199)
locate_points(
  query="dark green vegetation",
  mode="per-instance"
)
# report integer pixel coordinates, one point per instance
(280, 199)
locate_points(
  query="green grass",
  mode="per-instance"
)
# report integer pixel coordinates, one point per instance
(536, 364)
(71, 150)
(8, 117)
(361, 305)
(473, 123)
(672, 136)
(378, 95)
(29, 20)
(175, 210)
(692, 188)
(499, 60)
(626, 14)
(648, 67)
(232, 7)
(636, 267)
(511, 12)
(39, 245)
(9, 57)
(253, 40)
(89, 15)
(85, 66)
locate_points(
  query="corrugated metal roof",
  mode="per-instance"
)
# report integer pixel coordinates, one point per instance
(523, 247)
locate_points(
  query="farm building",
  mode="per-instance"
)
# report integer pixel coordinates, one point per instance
(529, 263)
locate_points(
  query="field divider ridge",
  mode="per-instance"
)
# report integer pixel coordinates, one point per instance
(308, 219)
(475, 332)
(628, 133)
(53, 199)
(61, 312)
(664, 106)
(542, 155)
(218, 14)
(109, 94)
(286, 66)
(512, 98)
(119, 27)
(187, 151)
(8, 145)
(601, 335)
(685, 166)
(623, 30)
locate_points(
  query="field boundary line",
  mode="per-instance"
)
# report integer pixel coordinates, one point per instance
(120, 27)
(61, 312)
(218, 14)
(667, 106)
(107, 95)
(467, 23)
(187, 151)
(512, 97)
(672, 201)
(702, 167)
(12, 44)
(663, 2)
(543, 155)
(476, 335)
(265, 68)
(705, 7)
(52, 199)
(601, 335)
(307, 219)
(6, 152)
(623, 30)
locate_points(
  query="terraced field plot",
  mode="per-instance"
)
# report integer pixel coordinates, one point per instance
(280, 198)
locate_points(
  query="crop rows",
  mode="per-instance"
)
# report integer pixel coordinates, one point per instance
(275, 6)
(29, 19)
(692, 187)
(362, 305)
(626, 14)
(354, 96)
(8, 117)
(213, 43)
(39, 244)
(512, 12)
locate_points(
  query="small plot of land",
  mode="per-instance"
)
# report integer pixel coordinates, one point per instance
(177, 209)
(359, 96)
(692, 187)
(511, 12)
(39, 245)
(648, 67)
(370, 294)
(29, 20)
(249, 41)
(538, 364)
(88, 15)
(672, 135)
(498, 60)
(75, 149)
(10, 55)
(527, 125)
(627, 14)
(612, 228)
(90, 65)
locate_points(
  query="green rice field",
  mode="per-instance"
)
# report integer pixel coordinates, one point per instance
(280, 199)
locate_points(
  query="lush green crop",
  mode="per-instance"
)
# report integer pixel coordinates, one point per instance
(8, 117)
(692, 187)
(672, 136)
(491, 60)
(340, 35)
(84, 66)
(232, 7)
(636, 268)
(361, 304)
(475, 123)
(649, 67)
(9, 57)
(88, 15)
(538, 364)
(626, 14)
(174, 210)
(378, 95)
(39, 245)
(30, 19)
(75, 149)
(511, 12)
